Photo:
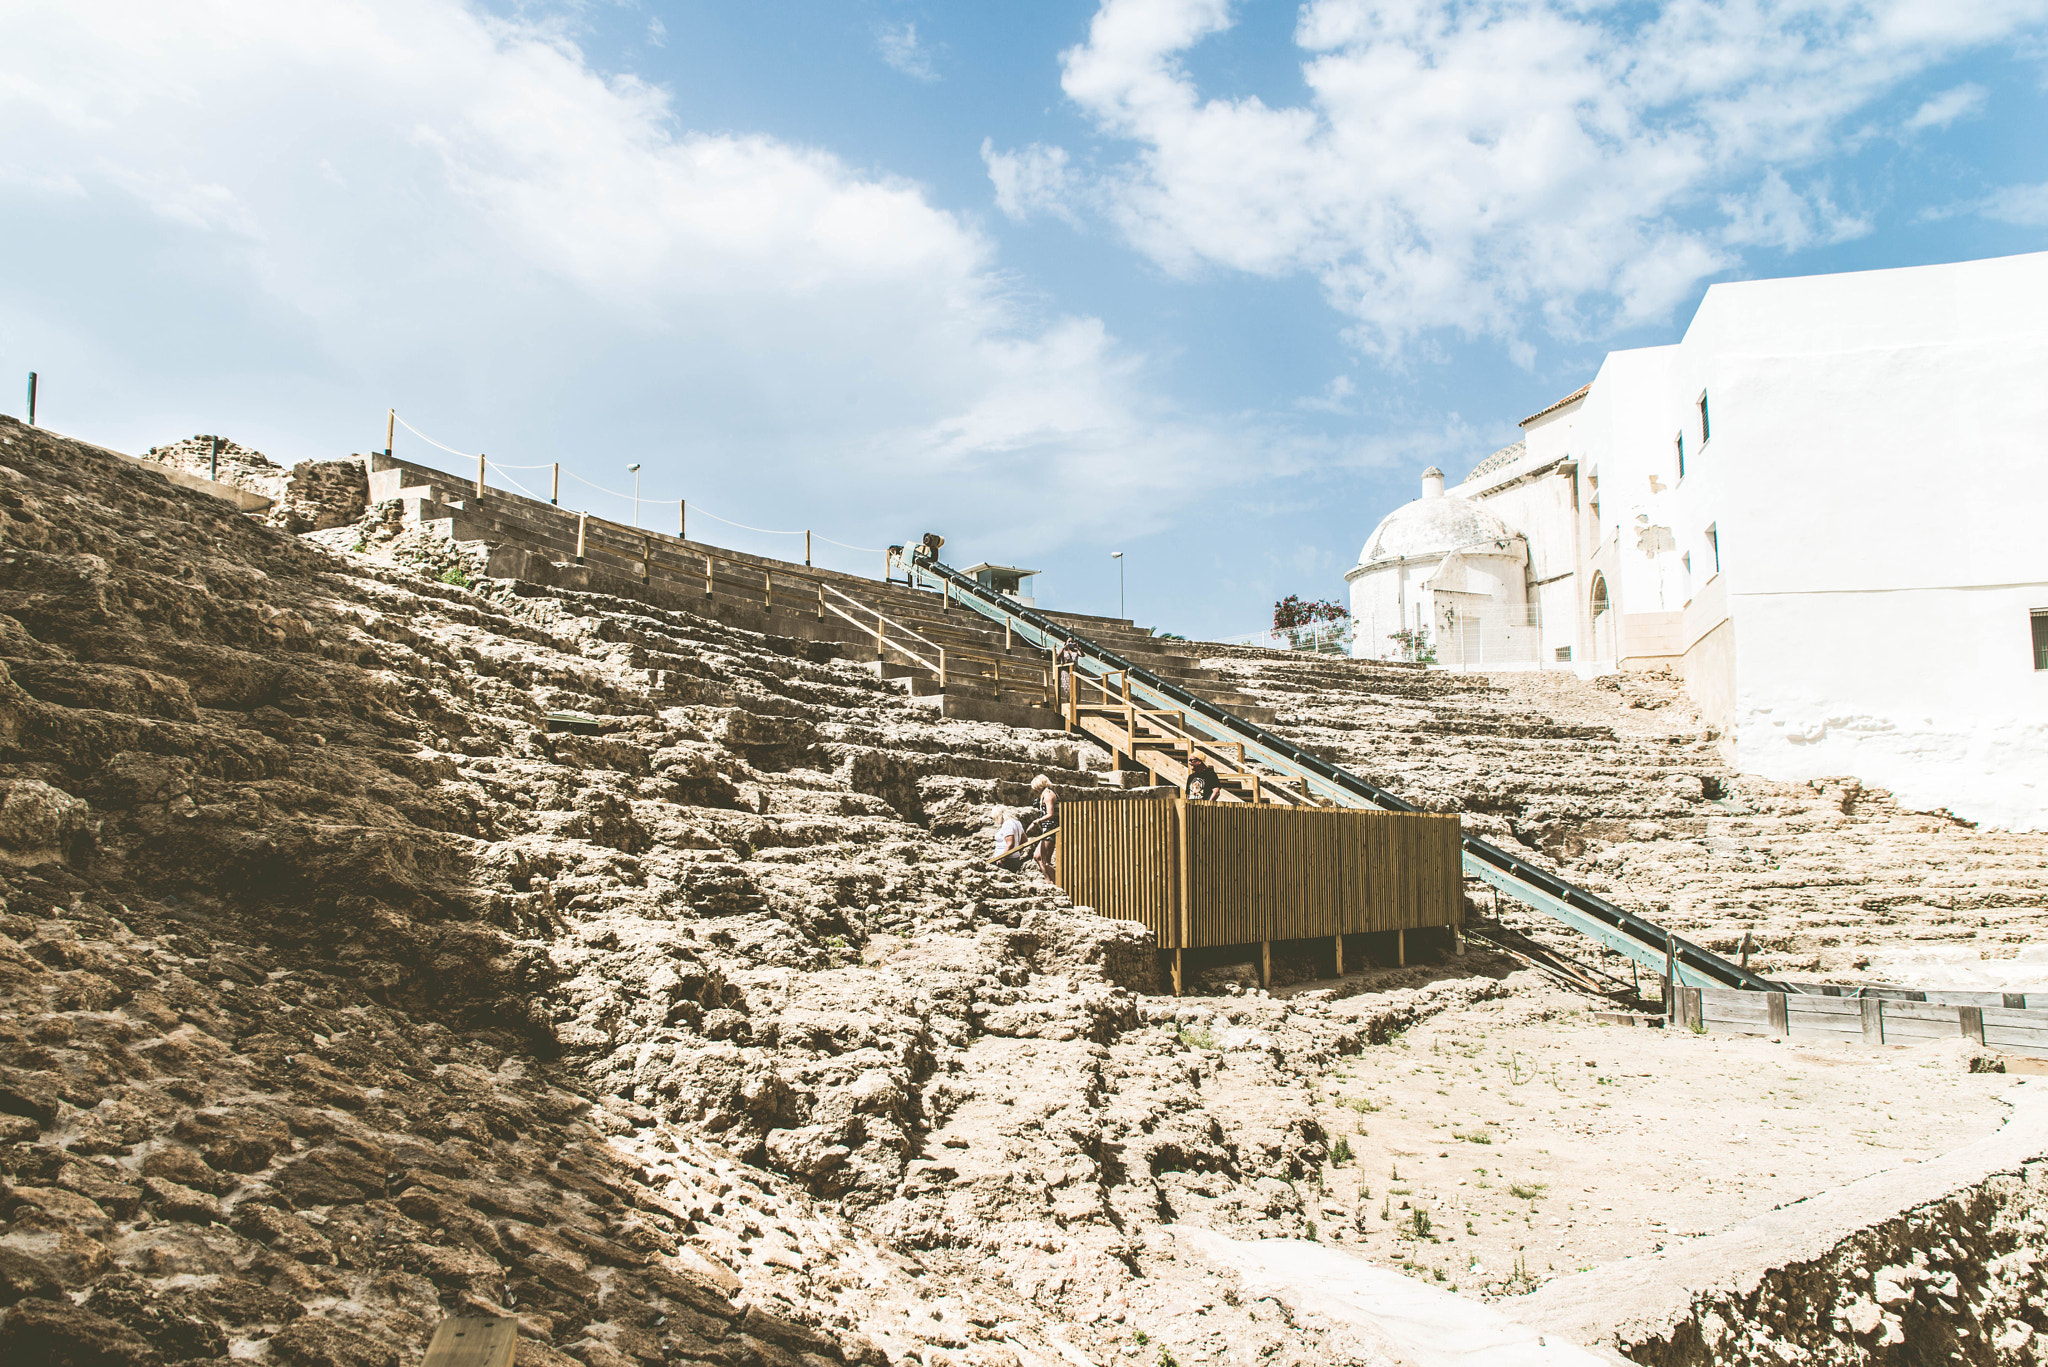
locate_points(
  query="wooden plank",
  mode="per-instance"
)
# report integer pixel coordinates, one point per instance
(1919, 1011)
(473, 1343)
(1774, 1002)
(1727, 1027)
(1907, 1030)
(2007, 1016)
(1757, 1012)
(1804, 1005)
(1872, 1017)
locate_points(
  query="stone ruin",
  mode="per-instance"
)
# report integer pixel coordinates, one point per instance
(343, 994)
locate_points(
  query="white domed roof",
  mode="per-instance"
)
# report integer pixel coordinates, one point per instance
(1435, 524)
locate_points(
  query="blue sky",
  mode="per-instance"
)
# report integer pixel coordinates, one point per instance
(1208, 283)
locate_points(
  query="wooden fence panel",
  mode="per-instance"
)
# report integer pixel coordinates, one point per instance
(1119, 858)
(1242, 874)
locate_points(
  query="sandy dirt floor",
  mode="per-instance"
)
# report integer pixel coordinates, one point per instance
(1498, 1145)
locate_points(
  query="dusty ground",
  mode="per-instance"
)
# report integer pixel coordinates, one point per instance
(1536, 1142)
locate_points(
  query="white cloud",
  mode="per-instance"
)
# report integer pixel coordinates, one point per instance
(1033, 181)
(1334, 399)
(290, 217)
(902, 51)
(1963, 102)
(1776, 215)
(2023, 205)
(657, 32)
(1462, 166)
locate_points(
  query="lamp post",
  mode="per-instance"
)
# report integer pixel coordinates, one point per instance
(635, 468)
(1118, 556)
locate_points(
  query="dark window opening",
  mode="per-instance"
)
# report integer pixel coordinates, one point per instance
(1706, 424)
(2041, 638)
(1678, 444)
(1714, 545)
(1564, 655)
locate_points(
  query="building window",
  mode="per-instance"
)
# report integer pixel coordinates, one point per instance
(2041, 638)
(1678, 445)
(1714, 545)
(1564, 655)
(1706, 424)
(1685, 575)
(1600, 597)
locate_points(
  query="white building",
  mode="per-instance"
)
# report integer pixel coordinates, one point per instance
(1826, 507)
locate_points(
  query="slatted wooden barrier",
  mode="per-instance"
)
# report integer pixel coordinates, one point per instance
(1198, 874)
(1862, 1020)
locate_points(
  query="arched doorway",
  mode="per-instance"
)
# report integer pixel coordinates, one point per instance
(1603, 620)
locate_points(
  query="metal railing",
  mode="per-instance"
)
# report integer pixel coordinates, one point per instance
(1633, 936)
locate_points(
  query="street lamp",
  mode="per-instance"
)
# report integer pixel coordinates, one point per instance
(1118, 556)
(635, 468)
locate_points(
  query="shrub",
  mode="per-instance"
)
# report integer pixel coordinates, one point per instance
(1340, 1152)
(454, 575)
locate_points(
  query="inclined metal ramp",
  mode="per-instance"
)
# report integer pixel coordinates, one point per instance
(1593, 916)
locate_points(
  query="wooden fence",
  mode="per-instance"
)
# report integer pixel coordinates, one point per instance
(1861, 1020)
(1198, 874)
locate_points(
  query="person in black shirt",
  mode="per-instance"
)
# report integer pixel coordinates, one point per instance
(1202, 780)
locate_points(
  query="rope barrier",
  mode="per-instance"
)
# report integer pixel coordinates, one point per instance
(501, 469)
(429, 440)
(698, 509)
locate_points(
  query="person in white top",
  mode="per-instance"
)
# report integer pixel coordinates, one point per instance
(1009, 830)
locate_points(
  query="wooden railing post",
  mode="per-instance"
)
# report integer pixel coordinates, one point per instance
(479, 475)
(942, 666)
(880, 623)
(707, 576)
(807, 546)
(555, 486)
(647, 558)
(768, 590)
(682, 519)
(582, 531)
(821, 602)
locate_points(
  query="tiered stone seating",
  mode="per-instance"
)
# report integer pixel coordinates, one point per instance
(986, 677)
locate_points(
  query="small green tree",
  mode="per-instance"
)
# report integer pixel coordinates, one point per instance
(1416, 647)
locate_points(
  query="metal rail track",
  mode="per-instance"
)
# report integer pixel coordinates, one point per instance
(1591, 915)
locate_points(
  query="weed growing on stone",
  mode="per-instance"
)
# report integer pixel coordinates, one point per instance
(1527, 1191)
(1340, 1152)
(454, 576)
(1197, 1037)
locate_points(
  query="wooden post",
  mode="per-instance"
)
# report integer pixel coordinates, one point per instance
(880, 622)
(1873, 1019)
(647, 557)
(807, 546)
(1006, 631)
(1265, 963)
(1339, 941)
(1670, 979)
(473, 1343)
(213, 467)
(390, 426)
(821, 602)
(942, 666)
(582, 526)
(1774, 1004)
(1746, 942)
(479, 474)
(707, 576)
(1401, 949)
(1694, 1009)
(1971, 1019)
(1176, 973)
(768, 590)
(682, 519)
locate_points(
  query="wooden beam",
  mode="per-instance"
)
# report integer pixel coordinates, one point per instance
(1339, 939)
(473, 1343)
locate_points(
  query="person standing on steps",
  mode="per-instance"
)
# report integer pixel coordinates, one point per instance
(1069, 657)
(1048, 819)
(1202, 780)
